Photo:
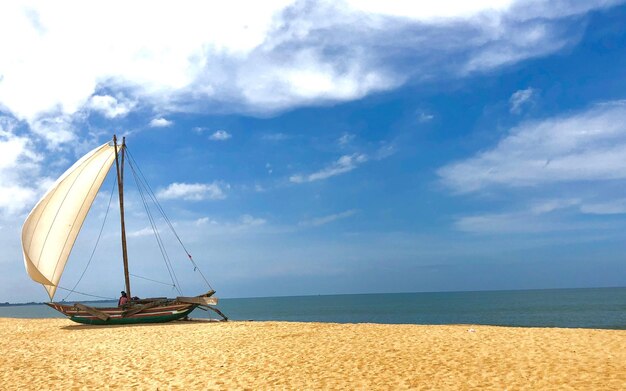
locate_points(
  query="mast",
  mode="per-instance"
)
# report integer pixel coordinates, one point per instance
(120, 185)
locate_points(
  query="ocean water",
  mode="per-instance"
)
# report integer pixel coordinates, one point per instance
(588, 308)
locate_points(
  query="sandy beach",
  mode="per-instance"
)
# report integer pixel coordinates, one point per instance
(59, 354)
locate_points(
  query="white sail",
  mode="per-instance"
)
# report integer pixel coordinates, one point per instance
(51, 228)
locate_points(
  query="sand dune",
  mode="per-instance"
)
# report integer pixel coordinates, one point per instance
(41, 354)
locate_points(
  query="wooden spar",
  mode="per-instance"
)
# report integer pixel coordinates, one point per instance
(120, 186)
(204, 299)
(98, 314)
(141, 308)
(197, 300)
(217, 312)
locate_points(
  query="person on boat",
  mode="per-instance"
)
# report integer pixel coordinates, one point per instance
(123, 299)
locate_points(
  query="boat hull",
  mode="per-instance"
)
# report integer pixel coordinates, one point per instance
(116, 315)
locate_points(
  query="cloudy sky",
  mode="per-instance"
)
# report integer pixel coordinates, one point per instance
(311, 147)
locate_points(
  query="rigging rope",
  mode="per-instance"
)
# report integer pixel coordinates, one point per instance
(144, 188)
(86, 294)
(95, 246)
(150, 192)
(149, 279)
(164, 254)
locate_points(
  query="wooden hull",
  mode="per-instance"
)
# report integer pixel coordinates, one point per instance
(164, 312)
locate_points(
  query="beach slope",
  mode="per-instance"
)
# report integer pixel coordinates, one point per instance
(58, 354)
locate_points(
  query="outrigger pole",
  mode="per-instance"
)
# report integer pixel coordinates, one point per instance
(120, 186)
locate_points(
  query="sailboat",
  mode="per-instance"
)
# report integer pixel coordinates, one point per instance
(51, 229)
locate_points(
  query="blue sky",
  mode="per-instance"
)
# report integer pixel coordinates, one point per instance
(319, 148)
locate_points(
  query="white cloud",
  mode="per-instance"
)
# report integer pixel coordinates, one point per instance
(539, 216)
(255, 57)
(15, 198)
(617, 206)
(427, 11)
(275, 137)
(551, 205)
(220, 135)
(56, 130)
(384, 152)
(204, 221)
(345, 163)
(557, 215)
(194, 191)
(244, 222)
(345, 139)
(425, 117)
(318, 221)
(519, 99)
(588, 146)
(529, 39)
(149, 58)
(578, 157)
(250, 221)
(310, 78)
(18, 165)
(111, 107)
(147, 231)
(518, 223)
(160, 123)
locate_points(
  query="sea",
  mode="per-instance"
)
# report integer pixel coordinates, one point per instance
(598, 308)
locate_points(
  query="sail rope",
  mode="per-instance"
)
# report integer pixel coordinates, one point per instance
(145, 192)
(85, 294)
(70, 291)
(150, 192)
(164, 254)
(73, 289)
(150, 279)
